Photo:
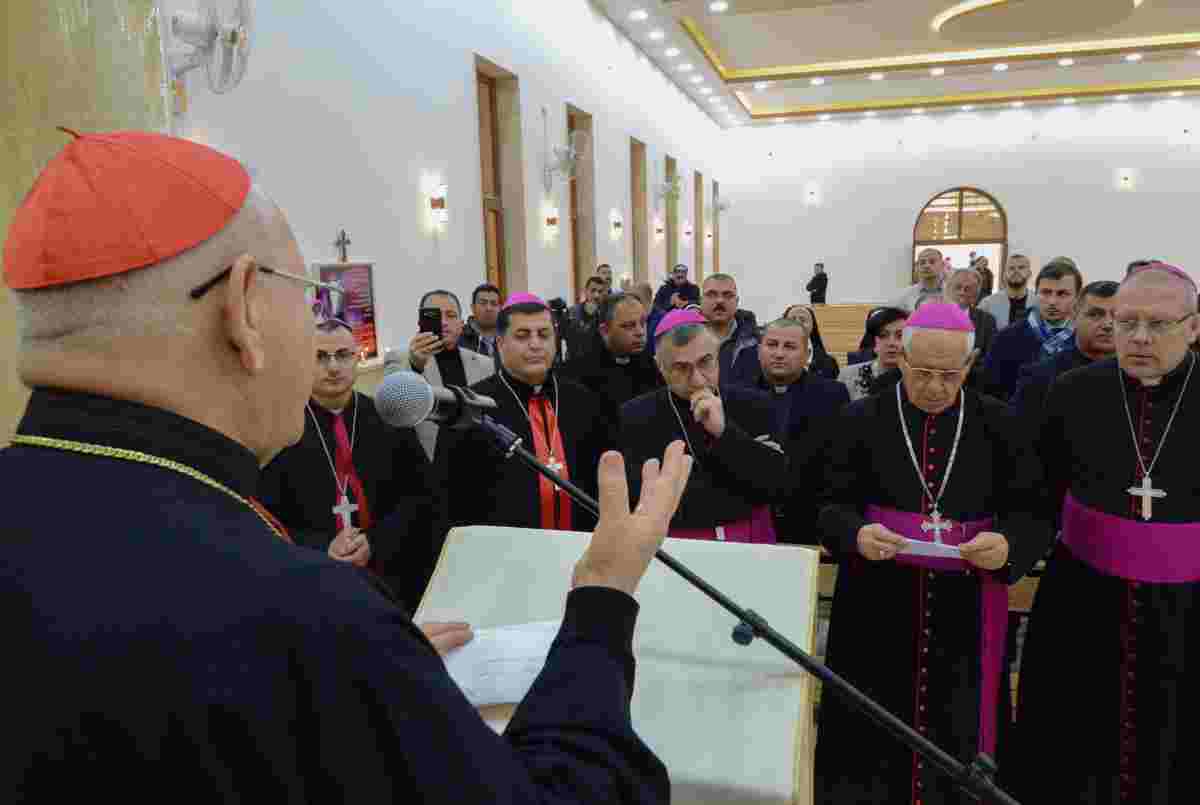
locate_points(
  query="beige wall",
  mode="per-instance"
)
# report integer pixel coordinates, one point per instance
(86, 66)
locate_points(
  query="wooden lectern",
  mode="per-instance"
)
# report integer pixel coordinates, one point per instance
(733, 724)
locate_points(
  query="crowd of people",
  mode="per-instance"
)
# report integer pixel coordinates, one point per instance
(967, 441)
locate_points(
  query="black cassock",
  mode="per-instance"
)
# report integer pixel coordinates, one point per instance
(485, 488)
(731, 476)
(1110, 680)
(160, 638)
(908, 637)
(407, 530)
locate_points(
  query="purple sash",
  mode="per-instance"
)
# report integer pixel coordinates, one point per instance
(759, 529)
(993, 605)
(1158, 553)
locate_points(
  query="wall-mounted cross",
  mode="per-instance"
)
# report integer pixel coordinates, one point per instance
(342, 243)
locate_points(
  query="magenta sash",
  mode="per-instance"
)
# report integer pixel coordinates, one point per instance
(1158, 553)
(993, 605)
(759, 529)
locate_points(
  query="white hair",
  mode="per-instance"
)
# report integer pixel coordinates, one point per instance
(906, 337)
(958, 271)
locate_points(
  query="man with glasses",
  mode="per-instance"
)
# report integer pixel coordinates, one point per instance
(440, 358)
(354, 486)
(1111, 661)
(1093, 342)
(156, 617)
(931, 500)
(730, 431)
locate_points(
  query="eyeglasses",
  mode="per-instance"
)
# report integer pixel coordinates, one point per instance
(1097, 314)
(200, 290)
(1155, 328)
(343, 357)
(948, 377)
(681, 372)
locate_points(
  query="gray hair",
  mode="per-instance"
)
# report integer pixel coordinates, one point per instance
(679, 337)
(785, 323)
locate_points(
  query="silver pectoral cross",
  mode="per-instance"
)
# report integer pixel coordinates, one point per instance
(555, 465)
(343, 510)
(937, 525)
(1147, 493)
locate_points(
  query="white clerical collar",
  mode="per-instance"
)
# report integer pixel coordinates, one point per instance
(621, 361)
(781, 389)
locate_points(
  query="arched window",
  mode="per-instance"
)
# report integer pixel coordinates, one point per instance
(960, 222)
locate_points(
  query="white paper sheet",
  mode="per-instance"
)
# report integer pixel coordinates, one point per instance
(935, 549)
(499, 665)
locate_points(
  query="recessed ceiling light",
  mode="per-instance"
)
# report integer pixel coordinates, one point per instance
(968, 108)
(706, 90)
(824, 117)
(1133, 57)
(1000, 68)
(1121, 98)
(718, 6)
(1177, 93)
(937, 71)
(1066, 62)
(816, 82)
(717, 100)
(686, 67)
(657, 34)
(639, 15)
(671, 53)
(696, 79)
(918, 111)
(1069, 101)
(761, 85)
(876, 76)
(870, 113)
(1018, 104)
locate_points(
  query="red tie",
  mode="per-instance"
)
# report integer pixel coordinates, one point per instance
(346, 473)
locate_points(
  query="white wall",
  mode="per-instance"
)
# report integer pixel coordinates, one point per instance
(352, 111)
(1053, 169)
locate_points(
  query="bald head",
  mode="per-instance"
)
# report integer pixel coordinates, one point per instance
(238, 359)
(1163, 282)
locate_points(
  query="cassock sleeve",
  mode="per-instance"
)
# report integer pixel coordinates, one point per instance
(1051, 447)
(637, 446)
(752, 464)
(1021, 515)
(458, 457)
(276, 493)
(570, 741)
(845, 455)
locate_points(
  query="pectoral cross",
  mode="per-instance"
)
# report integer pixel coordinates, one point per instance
(1147, 493)
(342, 243)
(937, 525)
(555, 465)
(342, 512)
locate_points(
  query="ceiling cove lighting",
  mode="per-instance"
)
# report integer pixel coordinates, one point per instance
(959, 9)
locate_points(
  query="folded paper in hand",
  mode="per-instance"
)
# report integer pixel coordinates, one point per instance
(500, 665)
(939, 550)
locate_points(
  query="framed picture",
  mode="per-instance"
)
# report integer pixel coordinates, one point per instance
(355, 305)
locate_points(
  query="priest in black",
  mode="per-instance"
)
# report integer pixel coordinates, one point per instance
(161, 633)
(618, 367)
(924, 636)
(353, 486)
(806, 407)
(560, 421)
(731, 432)
(1109, 708)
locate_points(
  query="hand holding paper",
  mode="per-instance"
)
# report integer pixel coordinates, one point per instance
(500, 665)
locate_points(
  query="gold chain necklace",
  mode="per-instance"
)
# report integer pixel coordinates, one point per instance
(145, 458)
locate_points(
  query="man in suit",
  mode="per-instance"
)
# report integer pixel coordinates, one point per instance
(1093, 342)
(439, 358)
(818, 286)
(1046, 330)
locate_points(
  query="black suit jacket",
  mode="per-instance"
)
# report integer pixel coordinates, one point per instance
(1034, 381)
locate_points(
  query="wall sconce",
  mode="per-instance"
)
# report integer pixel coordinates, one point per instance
(658, 229)
(709, 235)
(552, 218)
(687, 230)
(437, 204)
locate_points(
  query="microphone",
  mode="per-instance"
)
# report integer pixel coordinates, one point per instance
(405, 399)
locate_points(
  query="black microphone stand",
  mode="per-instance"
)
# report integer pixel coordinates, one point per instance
(975, 779)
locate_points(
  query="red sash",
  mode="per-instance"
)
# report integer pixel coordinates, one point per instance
(555, 503)
(345, 470)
